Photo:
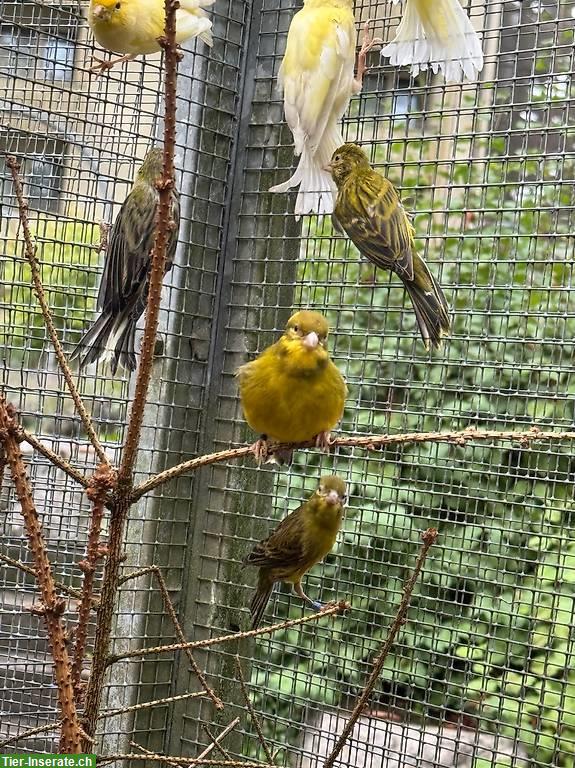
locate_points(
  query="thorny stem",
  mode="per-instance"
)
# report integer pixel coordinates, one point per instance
(30, 732)
(53, 607)
(216, 740)
(149, 752)
(104, 759)
(251, 710)
(170, 610)
(329, 610)
(149, 704)
(369, 442)
(57, 460)
(58, 584)
(121, 501)
(429, 538)
(30, 251)
(101, 482)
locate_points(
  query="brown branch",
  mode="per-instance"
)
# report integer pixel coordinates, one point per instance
(216, 740)
(52, 606)
(104, 759)
(149, 704)
(149, 752)
(76, 593)
(251, 710)
(369, 442)
(30, 732)
(54, 458)
(170, 610)
(101, 482)
(330, 610)
(429, 538)
(121, 501)
(30, 251)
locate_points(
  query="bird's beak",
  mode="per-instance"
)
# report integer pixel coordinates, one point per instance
(311, 340)
(99, 12)
(328, 168)
(333, 498)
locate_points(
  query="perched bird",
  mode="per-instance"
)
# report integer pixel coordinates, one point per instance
(438, 34)
(292, 392)
(300, 541)
(124, 285)
(132, 27)
(368, 208)
(317, 79)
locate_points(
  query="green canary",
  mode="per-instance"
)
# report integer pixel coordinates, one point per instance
(368, 208)
(300, 541)
(125, 281)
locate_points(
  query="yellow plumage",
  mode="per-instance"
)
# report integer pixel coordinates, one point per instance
(301, 540)
(132, 27)
(317, 79)
(293, 392)
(436, 34)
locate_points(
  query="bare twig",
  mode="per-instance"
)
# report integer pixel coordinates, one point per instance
(58, 584)
(329, 610)
(148, 752)
(429, 538)
(216, 743)
(57, 460)
(162, 229)
(216, 740)
(171, 611)
(369, 442)
(104, 759)
(30, 251)
(30, 732)
(149, 704)
(101, 482)
(53, 606)
(251, 710)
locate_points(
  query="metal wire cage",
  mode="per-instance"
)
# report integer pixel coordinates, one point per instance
(481, 674)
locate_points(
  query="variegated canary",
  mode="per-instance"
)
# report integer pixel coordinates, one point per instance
(438, 34)
(124, 285)
(368, 208)
(292, 392)
(317, 79)
(132, 27)
(301, 540)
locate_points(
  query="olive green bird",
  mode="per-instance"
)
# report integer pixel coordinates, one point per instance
(301, 540)
(125, 282)
(368, 208)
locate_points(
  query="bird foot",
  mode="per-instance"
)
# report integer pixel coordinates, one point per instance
(103, 65)
(260, 450)
(317, 605)
(368, 42)
(323, 441)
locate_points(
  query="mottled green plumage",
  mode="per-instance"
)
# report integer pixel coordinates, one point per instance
(301, 540)
(124, 286)
(369, 210)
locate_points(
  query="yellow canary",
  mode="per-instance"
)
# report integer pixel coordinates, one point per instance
(368, 208)
(292, 392)
(436, 34)
(317, 79)
(132, 27)
(301, 540)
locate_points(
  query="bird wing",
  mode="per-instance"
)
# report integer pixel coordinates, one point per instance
(128, 257)
(370, 211)
(317, 71)
(283, 547)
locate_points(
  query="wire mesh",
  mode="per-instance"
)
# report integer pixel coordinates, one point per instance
(482, 672)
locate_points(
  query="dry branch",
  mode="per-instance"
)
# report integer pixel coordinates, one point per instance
(30, 251)
(251, 710)
(76, 593)
(429, 538)
(216, 739)
(369, 442)
(52, 606)
(101, 482)
(30, 732)
(149, 752)
(57, 460)
(149, 704)
(122, 502)
(105, 759)
(329, 610)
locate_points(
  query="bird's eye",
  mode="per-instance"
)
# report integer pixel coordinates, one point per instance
(337, 158)
(296, 328)
(118, 6)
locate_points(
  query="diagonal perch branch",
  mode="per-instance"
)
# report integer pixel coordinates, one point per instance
(30, 251)
(251, 710)
(429, 538)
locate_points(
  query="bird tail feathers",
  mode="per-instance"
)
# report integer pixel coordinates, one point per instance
(110, 338)
(429, 303)
(439, 34)
(260, 599)
(191, 21)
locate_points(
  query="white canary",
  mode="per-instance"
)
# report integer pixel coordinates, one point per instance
(317, 79)
(436, 34)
